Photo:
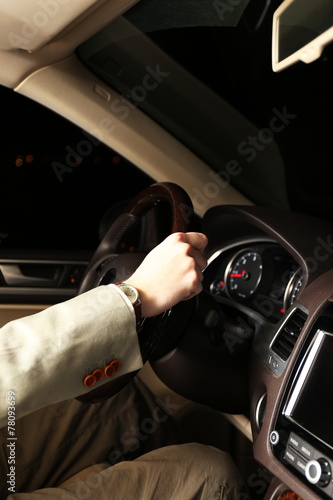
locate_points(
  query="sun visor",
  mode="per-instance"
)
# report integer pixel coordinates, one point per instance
(31, 24)
(155, 15)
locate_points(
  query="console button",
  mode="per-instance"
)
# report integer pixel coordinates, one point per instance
(294, 459)
(301, 446)
(290, 456)
(300, 465)
(318, 472)
(313, 471)
(274, 437)
(307, 450)
(294, 441)
(326, 472)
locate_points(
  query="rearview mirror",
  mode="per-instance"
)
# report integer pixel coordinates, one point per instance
(301, 29)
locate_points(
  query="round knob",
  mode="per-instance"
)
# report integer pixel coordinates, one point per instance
(318, 472)
(274, 437)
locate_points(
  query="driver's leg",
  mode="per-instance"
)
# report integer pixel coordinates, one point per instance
(57, 442)
(180, 472)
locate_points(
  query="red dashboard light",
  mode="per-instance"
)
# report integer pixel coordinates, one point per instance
(289, 495)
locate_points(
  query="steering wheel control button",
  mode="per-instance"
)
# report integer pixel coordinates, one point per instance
(89, 380)
(274, 438)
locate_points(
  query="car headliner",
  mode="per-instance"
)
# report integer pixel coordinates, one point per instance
(54, 77)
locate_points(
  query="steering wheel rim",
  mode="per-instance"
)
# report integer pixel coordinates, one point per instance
(108, 266)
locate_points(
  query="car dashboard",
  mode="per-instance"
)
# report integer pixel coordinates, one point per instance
(259, 342)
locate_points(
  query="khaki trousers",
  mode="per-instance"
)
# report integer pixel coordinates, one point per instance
(114, 450)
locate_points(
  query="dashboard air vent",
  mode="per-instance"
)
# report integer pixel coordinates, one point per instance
(286, 339)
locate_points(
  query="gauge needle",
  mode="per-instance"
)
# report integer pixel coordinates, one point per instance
(238, 275)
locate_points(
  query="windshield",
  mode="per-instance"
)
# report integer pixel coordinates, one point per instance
(212, 87)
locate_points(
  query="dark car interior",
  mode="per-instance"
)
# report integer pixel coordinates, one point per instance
(257, 342)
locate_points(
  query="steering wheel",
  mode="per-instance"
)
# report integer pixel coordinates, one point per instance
(109, 265)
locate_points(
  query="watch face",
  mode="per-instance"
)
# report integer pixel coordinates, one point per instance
(133, 295)
(130, 292)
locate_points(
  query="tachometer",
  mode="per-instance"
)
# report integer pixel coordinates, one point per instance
(243, 274)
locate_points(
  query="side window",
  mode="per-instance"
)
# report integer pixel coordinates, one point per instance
(56, 180)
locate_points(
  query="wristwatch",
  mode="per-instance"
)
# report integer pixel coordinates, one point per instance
(133, 295)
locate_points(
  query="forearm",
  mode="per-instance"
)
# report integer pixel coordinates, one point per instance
(44, 358)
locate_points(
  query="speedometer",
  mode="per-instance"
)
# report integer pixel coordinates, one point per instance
(293, 288)
(243, 274)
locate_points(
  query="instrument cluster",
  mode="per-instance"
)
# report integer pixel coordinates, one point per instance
(259, 274)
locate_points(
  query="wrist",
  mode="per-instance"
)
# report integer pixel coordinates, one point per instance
(133, 295)
(146, 309)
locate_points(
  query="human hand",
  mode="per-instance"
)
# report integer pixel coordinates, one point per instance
(171, 272)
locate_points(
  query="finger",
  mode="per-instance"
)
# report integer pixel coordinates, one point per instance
(197, 240)
(200, 274)
(200, 259)
(196, 287)
(194, 293)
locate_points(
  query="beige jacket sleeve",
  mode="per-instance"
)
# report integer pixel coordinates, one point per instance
(45, 358)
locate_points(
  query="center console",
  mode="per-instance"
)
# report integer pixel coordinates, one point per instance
(303, 435)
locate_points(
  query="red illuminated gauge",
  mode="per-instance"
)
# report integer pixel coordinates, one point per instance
(217, 287)
(289, 495)
(243, 274)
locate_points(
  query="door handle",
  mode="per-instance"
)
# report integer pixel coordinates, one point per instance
(13, 276)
